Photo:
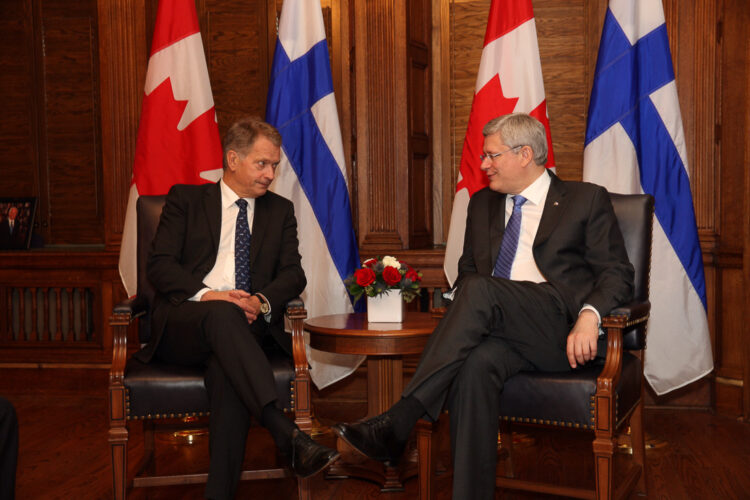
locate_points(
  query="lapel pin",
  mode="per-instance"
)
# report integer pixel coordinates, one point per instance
(555, 203)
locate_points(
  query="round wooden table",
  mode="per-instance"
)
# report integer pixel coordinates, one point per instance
(384, 344)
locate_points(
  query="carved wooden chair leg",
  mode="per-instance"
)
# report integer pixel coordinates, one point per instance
(147, 462)
(303, 489)
(118, 439)
(427, 447)
(604, 449)
(506, 438)
(639, 447)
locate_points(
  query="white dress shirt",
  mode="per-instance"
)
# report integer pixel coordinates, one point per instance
(221, 276)
(524, 266)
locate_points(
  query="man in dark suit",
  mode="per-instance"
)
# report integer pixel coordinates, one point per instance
(8, 449)
(11, 233)
(529, 296)
(221, 291)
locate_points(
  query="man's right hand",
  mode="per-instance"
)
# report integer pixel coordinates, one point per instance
(241, 298)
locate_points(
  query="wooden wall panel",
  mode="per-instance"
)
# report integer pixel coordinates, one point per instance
(50, 87)
(72, 163)
(236, 39)
(562, 48)
(731, 212)
(381, 122)
(746, 222)
(17, 128)
(419, 109)
(468, 22)
(123, 57)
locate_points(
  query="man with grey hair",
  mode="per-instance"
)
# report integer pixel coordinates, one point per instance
(543, 260)
(224, 262)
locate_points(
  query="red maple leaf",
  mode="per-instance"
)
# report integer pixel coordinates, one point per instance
(165, 156)
(488, 103)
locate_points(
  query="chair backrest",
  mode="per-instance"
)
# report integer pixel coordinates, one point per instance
(635, 216)
(148, 211)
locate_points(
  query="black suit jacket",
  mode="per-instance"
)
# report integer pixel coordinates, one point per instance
(185, 247)
(11, 241)
(578, 247)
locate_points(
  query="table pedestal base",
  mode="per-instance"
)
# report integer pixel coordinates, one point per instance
(354, 464)
(385, 345)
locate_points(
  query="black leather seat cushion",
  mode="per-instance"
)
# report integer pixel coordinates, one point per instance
(566, 399)
(159, 389)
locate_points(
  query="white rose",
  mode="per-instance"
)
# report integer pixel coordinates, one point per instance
(391, 261)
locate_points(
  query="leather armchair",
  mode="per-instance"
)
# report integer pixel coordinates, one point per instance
(155, 391)
(603, 398)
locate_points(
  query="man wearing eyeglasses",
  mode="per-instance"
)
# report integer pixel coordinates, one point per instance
(543, 260)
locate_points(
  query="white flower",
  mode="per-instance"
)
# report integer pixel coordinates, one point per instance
(391, 261)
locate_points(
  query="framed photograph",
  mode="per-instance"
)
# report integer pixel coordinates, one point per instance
(16, 222)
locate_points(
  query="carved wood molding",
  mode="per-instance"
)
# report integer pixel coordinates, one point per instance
(381, 123)
(123, 51)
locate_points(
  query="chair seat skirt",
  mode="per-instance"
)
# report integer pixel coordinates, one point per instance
(567, 399)
(160, 390)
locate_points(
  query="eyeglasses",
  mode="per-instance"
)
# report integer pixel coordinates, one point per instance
(492, 156)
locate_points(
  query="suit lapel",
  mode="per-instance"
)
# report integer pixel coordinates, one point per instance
(212, 209)
(554, 207)
(496, 214)
(260, 224)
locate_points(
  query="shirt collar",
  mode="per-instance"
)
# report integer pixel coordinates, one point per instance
(229, 197)
(536, 192)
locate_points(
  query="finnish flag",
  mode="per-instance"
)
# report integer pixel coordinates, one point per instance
(635, 144)
(312, 173)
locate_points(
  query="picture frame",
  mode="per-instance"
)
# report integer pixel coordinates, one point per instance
(16, 222)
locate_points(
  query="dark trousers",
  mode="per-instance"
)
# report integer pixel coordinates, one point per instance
(494, 329)
(8, 449)
(239, 379)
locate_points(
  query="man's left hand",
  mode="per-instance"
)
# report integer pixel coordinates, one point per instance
(582, 339)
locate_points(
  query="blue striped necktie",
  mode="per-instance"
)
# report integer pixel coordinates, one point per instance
(509, 244)
(242, 249)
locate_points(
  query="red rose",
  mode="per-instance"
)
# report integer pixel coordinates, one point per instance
(364, 276)
(369, 263)
(391, 275)
(412, 275)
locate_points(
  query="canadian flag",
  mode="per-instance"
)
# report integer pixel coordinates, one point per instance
(509, 80)
(178, 138)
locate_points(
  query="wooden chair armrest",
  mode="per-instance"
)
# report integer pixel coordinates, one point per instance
(616, 322)
(132, 308)
(123, 314)
(627, 315)
(296, 314)
(301, 396)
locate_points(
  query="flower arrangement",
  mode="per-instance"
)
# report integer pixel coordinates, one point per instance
(377, 276)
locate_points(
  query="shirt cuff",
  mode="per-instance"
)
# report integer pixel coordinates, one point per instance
(198, 296)
(598, 316)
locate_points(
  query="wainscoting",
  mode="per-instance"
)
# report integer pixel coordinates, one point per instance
(54, 307)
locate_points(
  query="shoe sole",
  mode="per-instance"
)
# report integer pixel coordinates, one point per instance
(333, 458)
(386, 461)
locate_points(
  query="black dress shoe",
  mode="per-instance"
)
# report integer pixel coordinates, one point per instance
(309, 457)
(374, 438)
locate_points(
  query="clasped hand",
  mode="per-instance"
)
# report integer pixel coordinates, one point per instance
(250, 304)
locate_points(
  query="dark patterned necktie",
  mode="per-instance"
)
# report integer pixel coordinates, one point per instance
(510, 240)
(242, 249)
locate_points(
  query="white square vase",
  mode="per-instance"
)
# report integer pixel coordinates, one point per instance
(387, 307)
